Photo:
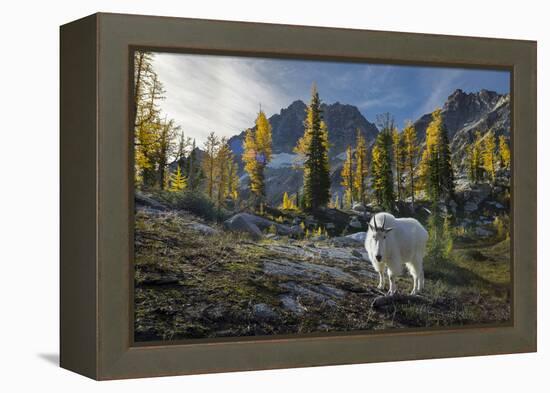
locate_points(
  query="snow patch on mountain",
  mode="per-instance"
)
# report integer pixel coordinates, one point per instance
(282, 160)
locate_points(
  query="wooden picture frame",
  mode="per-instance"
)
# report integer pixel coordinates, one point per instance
(97, 195)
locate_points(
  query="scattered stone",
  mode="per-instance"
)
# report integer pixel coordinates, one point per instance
(483, 232)
(331, 291)
(160, 280)
(442, 208)
(302, 291)
(296, 230)
(292, 305)
(344, 241)
(470, 207)
(262, 312)
(358, 207)
(319, 238)
(284, 267)
(358, 236)
(310, 221)
(355, 223)
(453, 205)
(330, 226)
(254, 221)
(215, 313)
(382, 301)
(242, 224)
(203, 229)
(477, 255)
(145, 201)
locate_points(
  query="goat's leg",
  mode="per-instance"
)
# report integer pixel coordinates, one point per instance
(415, 283)
(420, 273)
(421, 280)
(393, 285)
(380, 280)
(414, 274)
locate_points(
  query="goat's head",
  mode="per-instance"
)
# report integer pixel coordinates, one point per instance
(379, 238)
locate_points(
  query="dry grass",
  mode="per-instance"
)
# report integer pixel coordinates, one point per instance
(192, 286)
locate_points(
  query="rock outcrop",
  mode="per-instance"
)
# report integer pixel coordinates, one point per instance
(254, 225)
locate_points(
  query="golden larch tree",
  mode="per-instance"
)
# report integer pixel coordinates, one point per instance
(410, 155)
(361, 169)
(233, 179)
(398, 161)
(489, 156)
(178, 182)
(257, 152)
(289, 202)
(347, 178)
(474, 159)
(504, 152)
(209, 167)
(223, 161)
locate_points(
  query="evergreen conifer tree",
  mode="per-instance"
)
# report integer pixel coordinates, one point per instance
(436, 167)
(316, 165)
(193, 169)
(382, 175)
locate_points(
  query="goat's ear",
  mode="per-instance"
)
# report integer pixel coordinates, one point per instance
(388, 229)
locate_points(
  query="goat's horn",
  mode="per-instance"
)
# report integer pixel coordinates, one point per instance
(383, 222)
(375, 226)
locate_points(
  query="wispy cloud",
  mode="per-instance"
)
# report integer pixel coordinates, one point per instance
(383, 91)
(441, 83)
(214, 93)
(206, 93)
(392, 99)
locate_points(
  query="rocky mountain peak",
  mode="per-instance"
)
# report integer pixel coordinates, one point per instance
(463, 110)
(470, 104)
(342, 120)
(297, 105)
(463, 114)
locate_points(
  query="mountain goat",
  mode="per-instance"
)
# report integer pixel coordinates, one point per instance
(393, 242)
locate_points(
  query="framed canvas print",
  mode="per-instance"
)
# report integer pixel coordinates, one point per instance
(240, 196)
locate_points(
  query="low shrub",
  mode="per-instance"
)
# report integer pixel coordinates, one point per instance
(502, 226)
(194, 202)
(440, 239)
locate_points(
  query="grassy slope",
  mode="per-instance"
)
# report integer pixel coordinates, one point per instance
(189, 285)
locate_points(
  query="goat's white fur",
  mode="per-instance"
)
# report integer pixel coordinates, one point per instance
(398, 241)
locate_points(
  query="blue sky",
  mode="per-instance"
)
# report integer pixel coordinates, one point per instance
(207, 93)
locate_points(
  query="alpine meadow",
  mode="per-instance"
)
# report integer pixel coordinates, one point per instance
(284, 196)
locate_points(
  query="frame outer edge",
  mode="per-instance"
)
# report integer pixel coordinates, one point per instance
(118, 358)
(78, 197)
(526, 188)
